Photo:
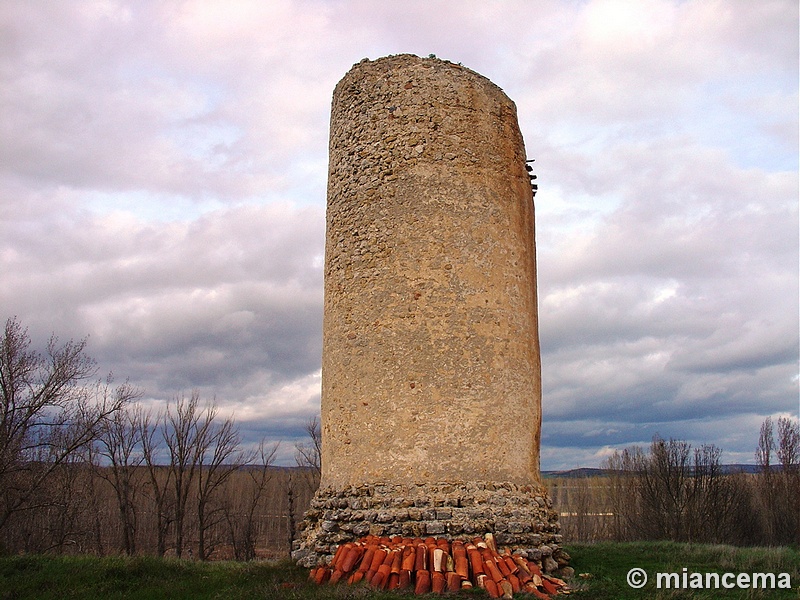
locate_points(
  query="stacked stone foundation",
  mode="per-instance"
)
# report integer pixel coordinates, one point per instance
(520, 517)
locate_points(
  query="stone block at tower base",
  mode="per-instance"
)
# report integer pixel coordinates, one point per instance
(520, 517)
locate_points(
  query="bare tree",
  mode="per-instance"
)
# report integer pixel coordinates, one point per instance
(118, 443)
(788, 444)
(65, 519)
(183, 428)
(159, 477)
(291, 517)
(780, 490)
(788, 452)
(718, 501)
(308, 455)
(241, 510)
(674, 493)
(766, 446)
(765, 496)
(625, 494)
(46, 413)
(220, 457)
(667, 487)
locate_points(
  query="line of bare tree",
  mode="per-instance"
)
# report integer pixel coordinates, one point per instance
(85, 468)
(672, 491)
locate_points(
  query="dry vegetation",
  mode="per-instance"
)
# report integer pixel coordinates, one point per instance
(83, 469)
(674, 492)
(77, 513)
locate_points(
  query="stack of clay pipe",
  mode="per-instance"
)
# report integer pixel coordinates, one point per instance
(438, 566)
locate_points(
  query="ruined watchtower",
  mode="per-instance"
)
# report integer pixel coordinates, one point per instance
(431, 378)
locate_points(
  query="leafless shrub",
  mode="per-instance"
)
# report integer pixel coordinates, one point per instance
(777, 489)
(47, 414)
(673, 492)
(246, 501)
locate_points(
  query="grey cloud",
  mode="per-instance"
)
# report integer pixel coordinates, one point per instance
(163, 186)
(736, 435)
(184, 305)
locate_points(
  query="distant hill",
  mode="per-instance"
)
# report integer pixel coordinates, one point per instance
(576, 473)
(591, 472)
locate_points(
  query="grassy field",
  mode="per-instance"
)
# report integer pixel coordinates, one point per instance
(608, 564)
(605, 567)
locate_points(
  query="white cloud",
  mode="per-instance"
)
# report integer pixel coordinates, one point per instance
(163, 178)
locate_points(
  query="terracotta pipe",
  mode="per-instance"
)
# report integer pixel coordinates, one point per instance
(423, 584)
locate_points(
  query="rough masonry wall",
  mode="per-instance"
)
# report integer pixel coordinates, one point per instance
(521, 518)
(431, 369)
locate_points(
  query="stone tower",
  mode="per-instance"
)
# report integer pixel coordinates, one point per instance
(431, 377)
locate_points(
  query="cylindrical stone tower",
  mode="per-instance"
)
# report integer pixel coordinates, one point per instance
(431, 377)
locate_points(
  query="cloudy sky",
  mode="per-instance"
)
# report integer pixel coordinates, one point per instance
(162, 190)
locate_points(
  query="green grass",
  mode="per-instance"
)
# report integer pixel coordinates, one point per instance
(147, 578)
(44, 577)
(608, 564)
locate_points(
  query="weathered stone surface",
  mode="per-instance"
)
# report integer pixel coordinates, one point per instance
(431, 377)
(430, 346)
(420, 521)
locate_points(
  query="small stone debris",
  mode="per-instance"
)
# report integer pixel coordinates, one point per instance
(437, 565)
